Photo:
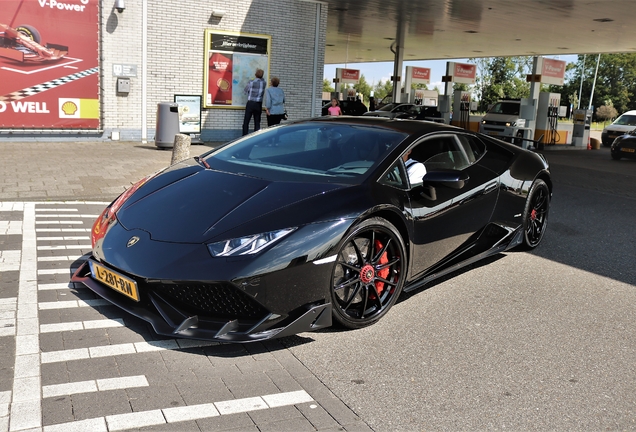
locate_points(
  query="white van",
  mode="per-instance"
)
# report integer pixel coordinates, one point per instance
(502, 120)
(624, 123)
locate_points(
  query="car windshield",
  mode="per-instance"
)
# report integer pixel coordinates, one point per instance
(508, 108)
(626, 120)
(311, 151)
(388, 107)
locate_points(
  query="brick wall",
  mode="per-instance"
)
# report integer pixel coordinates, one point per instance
(175, 58)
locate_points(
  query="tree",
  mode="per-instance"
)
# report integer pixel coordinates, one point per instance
(382, 89)
(501, 77)
(606, 112)
(615, 82)
(326, 86)
(363, 88)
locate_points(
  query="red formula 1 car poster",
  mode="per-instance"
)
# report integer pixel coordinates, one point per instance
(49, 69)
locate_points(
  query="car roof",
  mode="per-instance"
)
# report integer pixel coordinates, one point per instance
(405, 126)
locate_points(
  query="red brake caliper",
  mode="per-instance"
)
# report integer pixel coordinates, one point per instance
(533, 214)
(384, 272)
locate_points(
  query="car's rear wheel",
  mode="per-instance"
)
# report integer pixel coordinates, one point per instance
(368, 274)
(535, 214)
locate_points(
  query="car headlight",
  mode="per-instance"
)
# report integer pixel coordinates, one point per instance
(248, 245)
(508, 124)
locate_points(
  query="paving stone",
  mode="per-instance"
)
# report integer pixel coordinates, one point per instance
(55, 373)
(50, 342)
(100, 404)
(187, 426)
(198, 392)
(283, 380)
(298, 424)
(85, 338)
(317, 416)
(273, 415)
(57, 410)
(156, 397)
(96, 368)
(234, 422)
(150, 364)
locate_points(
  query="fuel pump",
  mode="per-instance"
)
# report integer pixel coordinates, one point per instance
(461, 108)
(581, 131)
(548, 119)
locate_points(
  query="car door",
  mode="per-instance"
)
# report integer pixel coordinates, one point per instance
(446, 215)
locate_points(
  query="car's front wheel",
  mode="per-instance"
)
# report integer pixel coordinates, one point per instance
(616, 156)
(368, 274)
(535, 214)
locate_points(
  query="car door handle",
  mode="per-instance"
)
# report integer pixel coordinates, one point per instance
(490, 187)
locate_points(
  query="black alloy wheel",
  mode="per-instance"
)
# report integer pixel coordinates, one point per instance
(368, 274)
(616, 155)
(535, 214)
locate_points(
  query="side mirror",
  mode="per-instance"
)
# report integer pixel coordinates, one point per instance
(452, 178)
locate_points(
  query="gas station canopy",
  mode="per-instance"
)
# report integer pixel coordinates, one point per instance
(363, 30)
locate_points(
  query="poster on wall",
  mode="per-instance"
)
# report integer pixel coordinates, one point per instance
(231, 59)
(49, 67)
(189, 113)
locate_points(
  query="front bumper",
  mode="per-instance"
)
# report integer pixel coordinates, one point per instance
(174, 318)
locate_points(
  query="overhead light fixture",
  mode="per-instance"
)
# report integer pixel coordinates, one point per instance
(218, 13)
(120, 5)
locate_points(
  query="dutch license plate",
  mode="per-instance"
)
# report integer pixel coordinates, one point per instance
(628, 150)
(114, 280)
(493, 133)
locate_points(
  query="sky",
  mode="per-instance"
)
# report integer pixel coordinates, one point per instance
(382, 71)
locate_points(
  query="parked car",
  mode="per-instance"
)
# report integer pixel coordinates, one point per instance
(624, 146)
(393, 110)
(626, 122)
(314, 222)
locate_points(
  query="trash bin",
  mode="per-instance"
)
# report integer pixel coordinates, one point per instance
(167, 124)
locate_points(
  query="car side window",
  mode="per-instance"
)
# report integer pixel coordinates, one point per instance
(395, 176)
(448, 152)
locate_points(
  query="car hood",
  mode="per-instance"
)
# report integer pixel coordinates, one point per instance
(618, 128)
(501, 117)
(206, 203)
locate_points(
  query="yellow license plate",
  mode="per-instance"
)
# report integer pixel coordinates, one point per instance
(493, 133)
(124, 285)
(628, 150)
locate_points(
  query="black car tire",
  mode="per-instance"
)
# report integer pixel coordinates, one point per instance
(368, 274)
(518, 139)
(30, 32)
(535, 215)
(615, 156)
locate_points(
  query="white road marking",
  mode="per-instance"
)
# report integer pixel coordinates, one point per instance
(26, 409)
(73, 304)
(59, 222)
(81, 325)
(10, 227)
(64, 247)
(94, 386)
(60, 285)
(68, 238)
(175, 415)
(58, 230)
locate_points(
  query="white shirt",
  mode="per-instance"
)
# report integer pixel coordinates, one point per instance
(416, 170)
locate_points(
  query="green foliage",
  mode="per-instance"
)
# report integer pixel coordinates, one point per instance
(501, 77)
(363, 88)
(326, 86)
(382, 89)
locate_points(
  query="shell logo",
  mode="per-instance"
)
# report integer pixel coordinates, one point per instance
(69, 108)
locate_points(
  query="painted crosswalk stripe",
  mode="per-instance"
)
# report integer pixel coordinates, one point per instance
(10, 227)
(10, 260)
(175, 415)
(64, 215)
(69, 304)
(121, 349)
(81, 325)
(38, 210)
(67, 238)
(62, 230)
(58, 258)
(64, 247)
(94, 386)
(60, 285)
(72, 222)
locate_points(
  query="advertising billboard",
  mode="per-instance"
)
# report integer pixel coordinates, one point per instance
(49, 64)
(231, 59)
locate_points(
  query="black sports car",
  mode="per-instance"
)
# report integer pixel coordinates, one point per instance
(624, 146)
(284, 230)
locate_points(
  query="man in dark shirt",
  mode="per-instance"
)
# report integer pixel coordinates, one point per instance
(254, 107)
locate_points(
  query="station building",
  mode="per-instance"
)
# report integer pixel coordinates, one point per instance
(99, 69)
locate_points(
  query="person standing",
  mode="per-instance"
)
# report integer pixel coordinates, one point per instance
(254, 107)
(334, 109)
(274, 103)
